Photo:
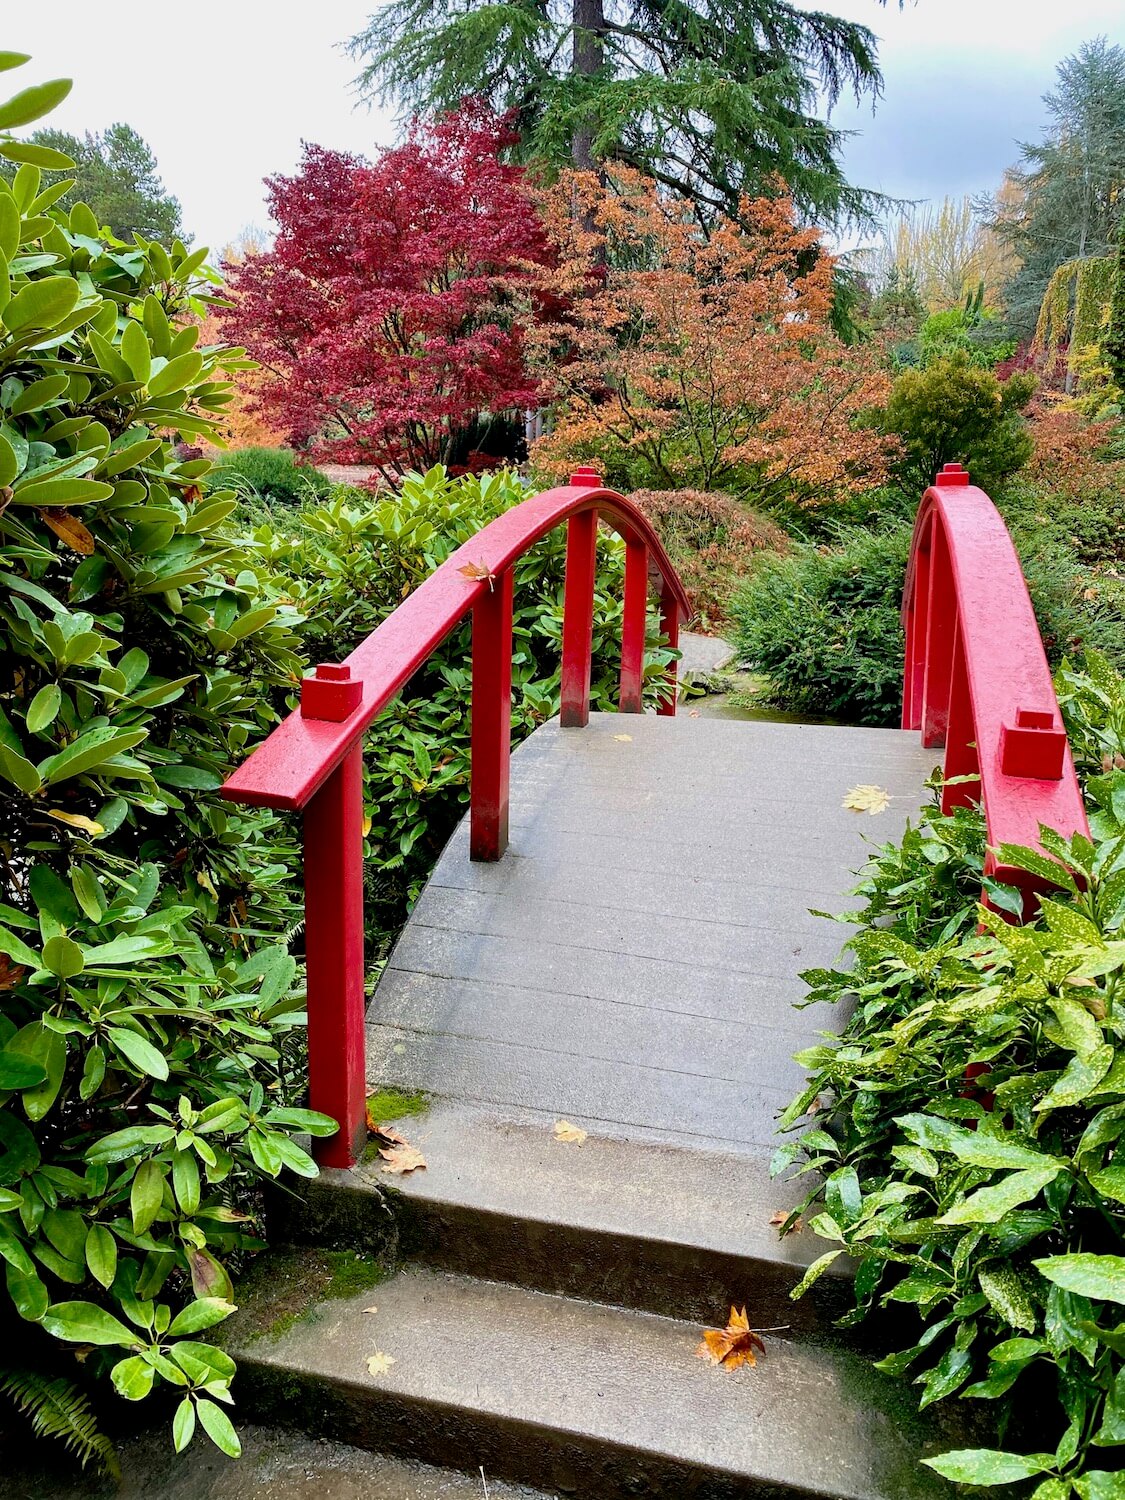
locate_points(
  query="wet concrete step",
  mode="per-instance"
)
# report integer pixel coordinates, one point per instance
(580, 1398)
(677, 1230)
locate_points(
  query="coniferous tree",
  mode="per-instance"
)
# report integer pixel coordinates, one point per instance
(711, 98)
(115, 173)
(1113, 344)
(1072, 181)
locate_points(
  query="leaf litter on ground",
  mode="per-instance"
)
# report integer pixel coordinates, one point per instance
(733, 1345)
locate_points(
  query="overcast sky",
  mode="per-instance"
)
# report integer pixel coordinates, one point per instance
(224, 93)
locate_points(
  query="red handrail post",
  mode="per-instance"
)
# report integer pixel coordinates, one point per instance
(333, 828)
(492, 720)
(670, 629)
(578, 618)
(960, 745)
(634, 621)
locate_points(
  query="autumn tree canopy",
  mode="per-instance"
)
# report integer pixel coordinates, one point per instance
(388, 313)
(705, 361)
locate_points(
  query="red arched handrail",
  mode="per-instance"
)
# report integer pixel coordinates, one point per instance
(977, 679)
(312, 761)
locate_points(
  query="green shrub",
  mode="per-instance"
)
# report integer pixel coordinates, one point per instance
(970, 1121)
(823, 624)
(955, 412)
(150, 1041)
(269, 475)
(347, 564)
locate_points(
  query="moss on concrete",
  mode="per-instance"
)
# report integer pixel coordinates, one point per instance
(391, 1104)
(286, 1287)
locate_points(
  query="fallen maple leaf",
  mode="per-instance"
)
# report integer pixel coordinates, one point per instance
(571, 1135)
(69, 529)
(477, 572)
(380, 1363)
(733, 1345)
(400, 1159)
(868, 799)
(777, 1221)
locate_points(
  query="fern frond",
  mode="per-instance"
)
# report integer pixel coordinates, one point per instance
(57, 1409)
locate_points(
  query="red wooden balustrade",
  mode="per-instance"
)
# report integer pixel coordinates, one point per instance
(977, 679)
(311, 762)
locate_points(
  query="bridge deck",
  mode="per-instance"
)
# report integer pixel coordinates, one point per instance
(632, 963)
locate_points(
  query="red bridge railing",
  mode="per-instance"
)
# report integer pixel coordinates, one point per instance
(311, 763)
(977, 679)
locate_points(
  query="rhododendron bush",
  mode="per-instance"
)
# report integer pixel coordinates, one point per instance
(702, 362)
(387, 313)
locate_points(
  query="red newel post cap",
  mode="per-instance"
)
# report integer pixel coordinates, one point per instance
(1034, 747)
(952, 474)
(332, 694)
(586, 478)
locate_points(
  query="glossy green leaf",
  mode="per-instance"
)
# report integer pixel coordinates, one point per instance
(1099, 1276)
(218, 1428)
(41, 304)
(86, 1323)
(33, 103)
(140, 1052)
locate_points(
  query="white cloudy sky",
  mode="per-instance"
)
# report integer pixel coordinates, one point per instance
(225, 92)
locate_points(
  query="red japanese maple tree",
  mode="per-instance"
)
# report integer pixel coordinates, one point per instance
(389, 315)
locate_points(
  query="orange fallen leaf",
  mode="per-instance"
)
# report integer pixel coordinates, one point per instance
(69, 529)
(778, 1219)
(380, 1363)
(400, 1159)
(571, 1135)
(477, 572)
(733, 1345)
(868, 799)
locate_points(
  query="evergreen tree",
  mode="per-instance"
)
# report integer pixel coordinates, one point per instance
(711, 98)
(1113, 342)
(1072, 181)
(115, 173)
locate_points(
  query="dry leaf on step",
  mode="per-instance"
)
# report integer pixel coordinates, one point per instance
(400, 1159)
(778, 1220)
(627, 737)
(868, 799)
(370, 1309)
(733, 1345)
(380, 1363)
(572, 1135)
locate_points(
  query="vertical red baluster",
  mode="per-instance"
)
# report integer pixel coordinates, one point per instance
(917, 626)
(334, 958)
(670, 629)
(941, 619)
(578, 618)
(633, 625)
(492, 720)
(960, 750)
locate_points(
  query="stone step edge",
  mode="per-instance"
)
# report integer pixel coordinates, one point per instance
(645, 1224)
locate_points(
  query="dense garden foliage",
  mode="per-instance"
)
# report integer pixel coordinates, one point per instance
(970, 1120)
(593, 260)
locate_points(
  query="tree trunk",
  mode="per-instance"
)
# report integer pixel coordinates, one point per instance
(587, 60)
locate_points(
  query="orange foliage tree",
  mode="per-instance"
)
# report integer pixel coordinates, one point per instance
(242, 424)
(704, 362)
